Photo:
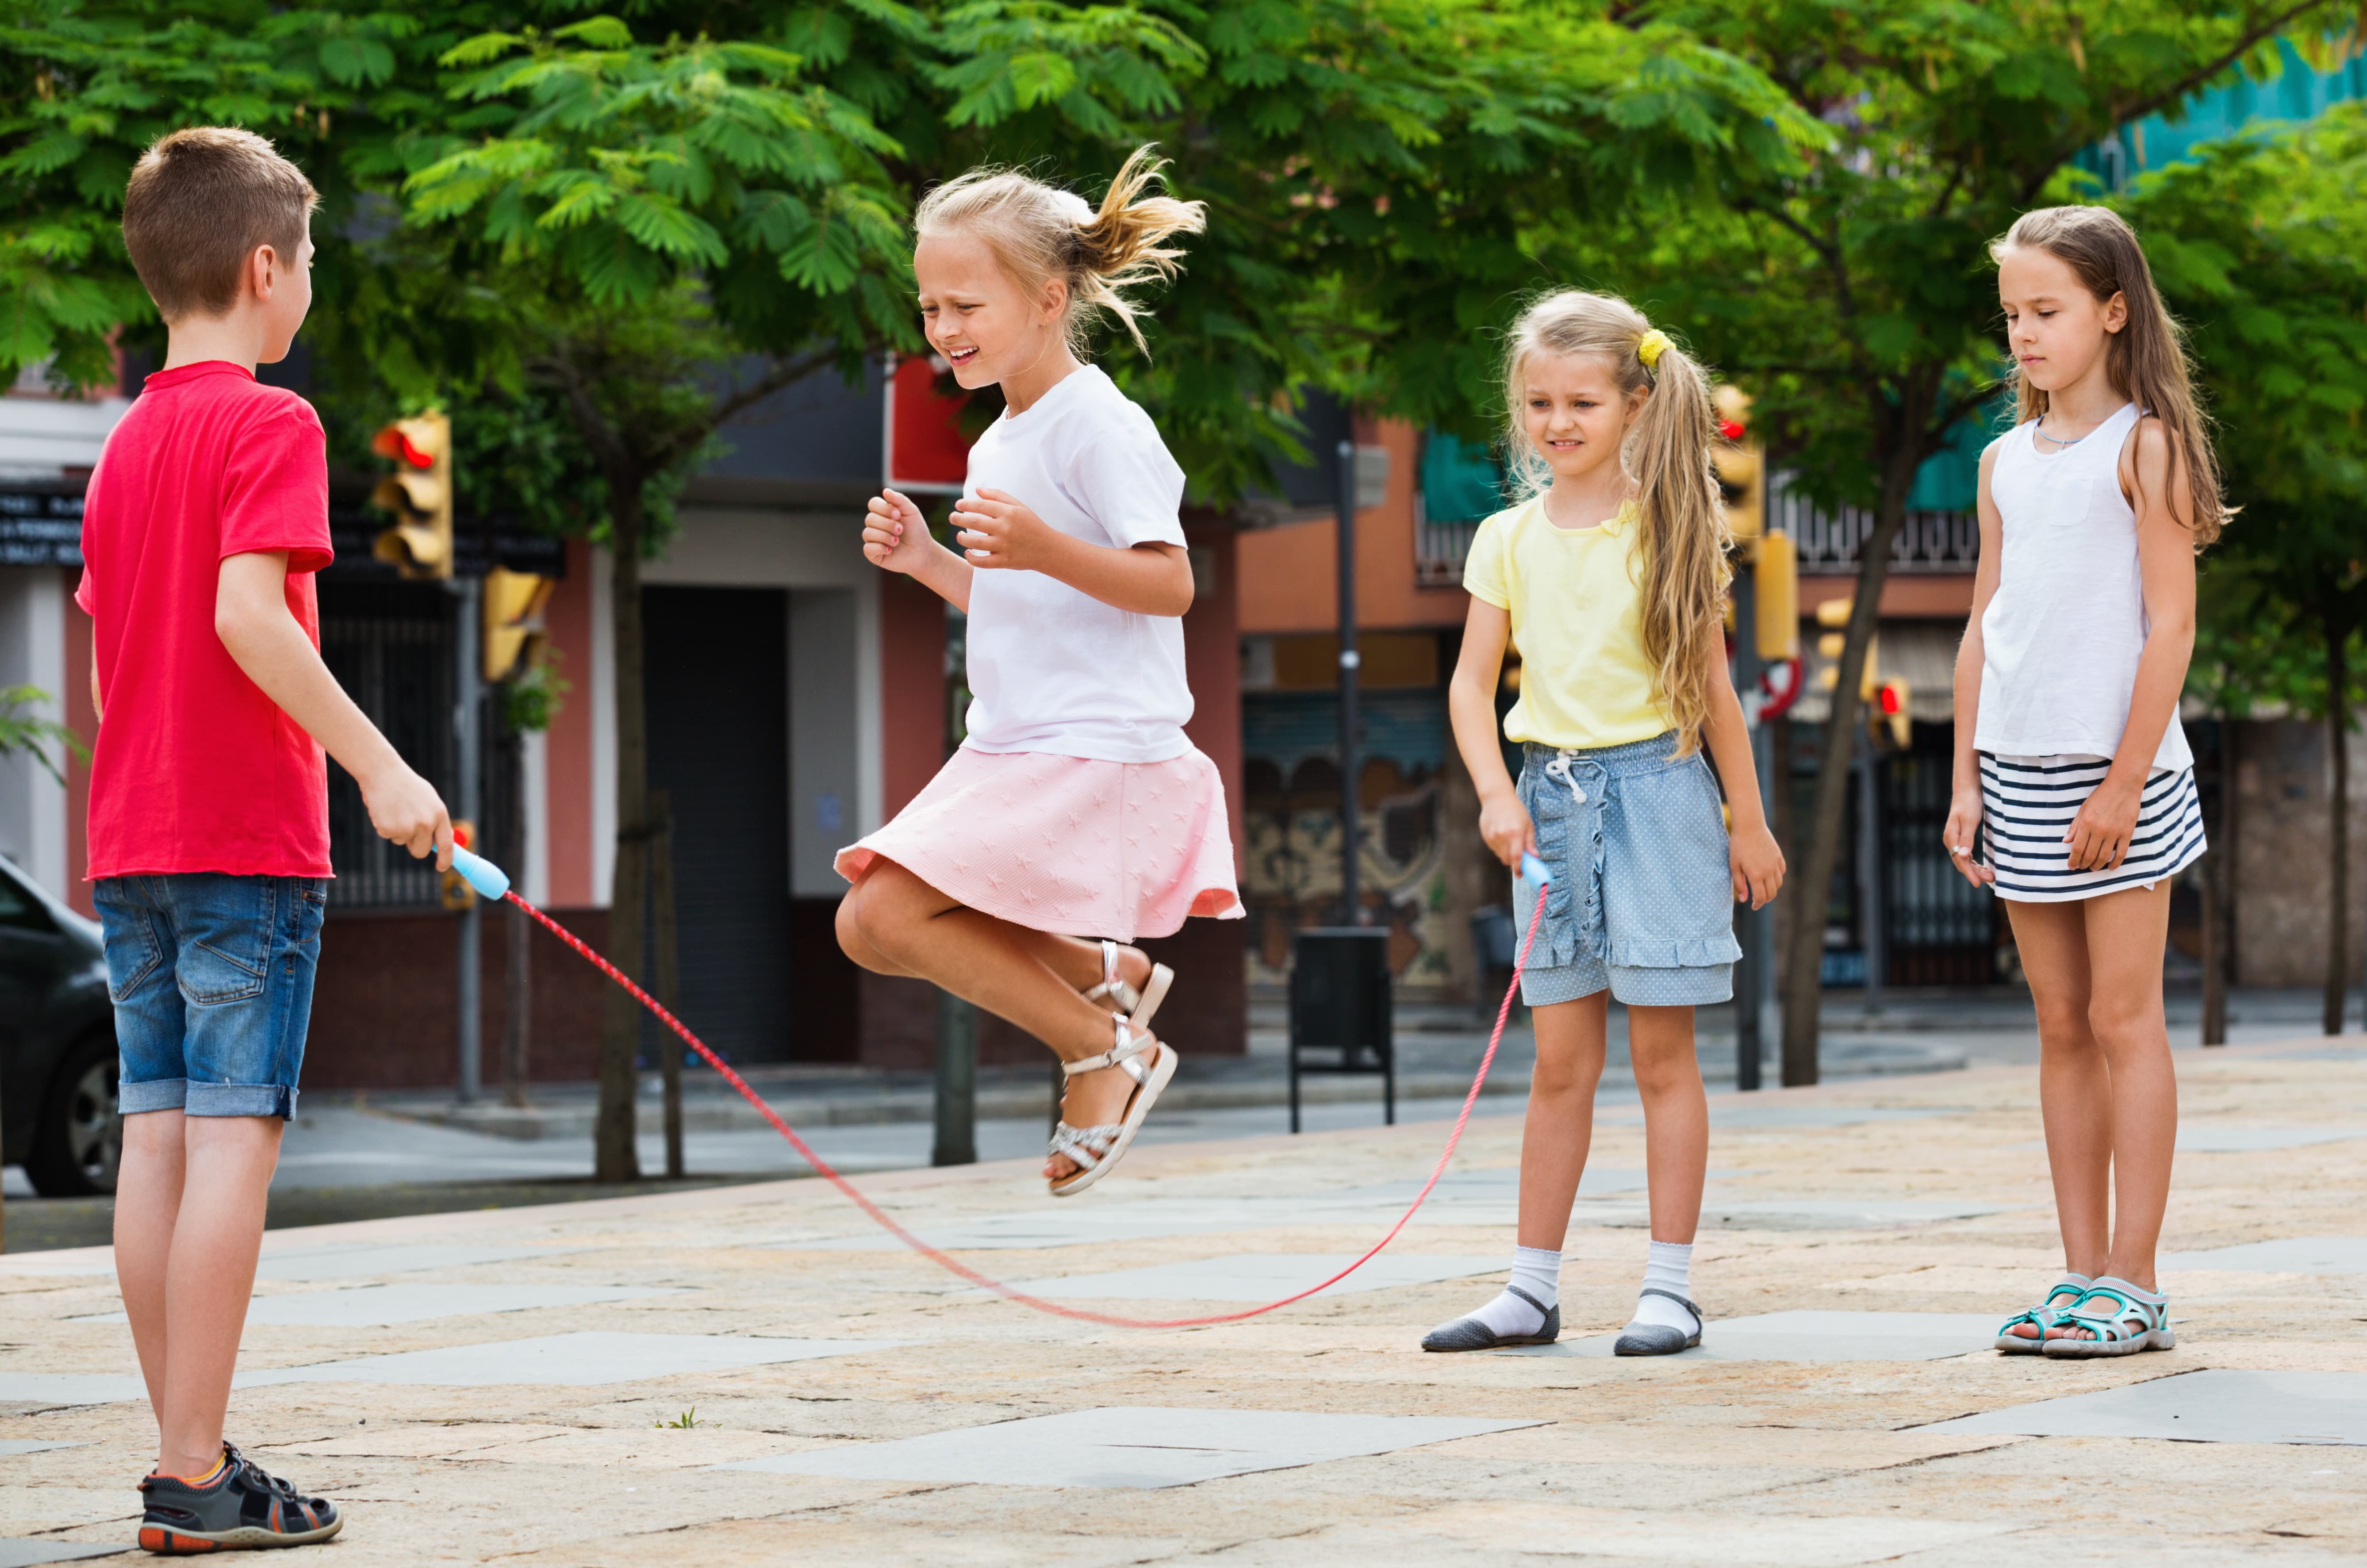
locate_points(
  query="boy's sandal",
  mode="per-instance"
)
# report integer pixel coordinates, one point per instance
(1139, 1005)
(2041, 1317)
(2132, 1323)
(1096, 1150)
(1659, 1338)
(1471, 1333)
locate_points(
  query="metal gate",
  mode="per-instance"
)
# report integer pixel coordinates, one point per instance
(1938, 928)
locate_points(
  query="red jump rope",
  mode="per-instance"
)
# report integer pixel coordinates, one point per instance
(491, 882)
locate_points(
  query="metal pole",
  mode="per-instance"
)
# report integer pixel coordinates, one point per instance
(1351, 807)
(1869, 870)
(957, 1139)
(469, 691)
(1749, 924)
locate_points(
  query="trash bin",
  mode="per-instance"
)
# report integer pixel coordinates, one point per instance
(1341, 1017)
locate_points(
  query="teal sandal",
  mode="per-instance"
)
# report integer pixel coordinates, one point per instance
(2041, 1317)
(2132, 1322)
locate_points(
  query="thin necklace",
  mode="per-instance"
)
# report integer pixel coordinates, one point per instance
(2060, 444)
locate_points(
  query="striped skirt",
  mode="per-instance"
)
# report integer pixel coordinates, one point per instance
(2027, 804)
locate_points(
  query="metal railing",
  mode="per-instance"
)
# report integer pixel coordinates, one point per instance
(397, 668)
(1830, 542)
(1438, 552)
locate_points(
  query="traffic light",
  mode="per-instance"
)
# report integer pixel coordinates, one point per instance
(1775, 579)
(1888, 710)
(1834, 613)
(513, 603)
(419, 494)
(1740, 464)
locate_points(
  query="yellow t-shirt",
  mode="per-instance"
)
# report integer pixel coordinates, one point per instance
(1576, 599)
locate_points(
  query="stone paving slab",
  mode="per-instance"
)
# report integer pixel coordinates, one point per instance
(1689, 1460)
(2213, 1405)
(29, 1554)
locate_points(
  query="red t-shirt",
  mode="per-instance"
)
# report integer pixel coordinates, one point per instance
(196, 768)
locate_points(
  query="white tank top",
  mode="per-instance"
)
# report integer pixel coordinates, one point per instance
(2062, 633)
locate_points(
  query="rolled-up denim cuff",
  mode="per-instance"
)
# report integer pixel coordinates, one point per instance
(1562, 983)
(241, 1100)
(1686, 988)
(155, 1094)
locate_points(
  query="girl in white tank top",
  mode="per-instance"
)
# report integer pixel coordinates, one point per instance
(2075, 797)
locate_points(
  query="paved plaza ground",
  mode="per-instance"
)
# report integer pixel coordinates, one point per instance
(504, 1385)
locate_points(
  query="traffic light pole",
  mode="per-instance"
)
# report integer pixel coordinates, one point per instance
(1751, 975)
(468, 691)
(1352, 904)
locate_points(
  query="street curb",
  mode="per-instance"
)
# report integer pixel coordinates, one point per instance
(710, 1110)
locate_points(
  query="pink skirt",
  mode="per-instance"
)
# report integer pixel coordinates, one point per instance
(1068, 844)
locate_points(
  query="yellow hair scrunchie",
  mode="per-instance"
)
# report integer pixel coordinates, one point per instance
(1651, 346)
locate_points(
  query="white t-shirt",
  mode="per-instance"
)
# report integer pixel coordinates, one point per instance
(1052, 669)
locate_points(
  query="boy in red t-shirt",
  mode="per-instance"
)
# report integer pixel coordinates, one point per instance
(204, 523)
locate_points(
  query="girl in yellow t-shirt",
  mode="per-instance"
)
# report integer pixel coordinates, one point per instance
(1610, 578)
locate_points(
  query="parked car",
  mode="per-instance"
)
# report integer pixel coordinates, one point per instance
(57, 1044)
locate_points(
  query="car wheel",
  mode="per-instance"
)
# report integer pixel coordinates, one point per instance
(80, 1141)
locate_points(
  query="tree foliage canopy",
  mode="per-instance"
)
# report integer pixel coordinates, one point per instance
(2257, 243)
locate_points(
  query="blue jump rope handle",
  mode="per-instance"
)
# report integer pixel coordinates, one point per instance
(490, 880)
(1533, 870)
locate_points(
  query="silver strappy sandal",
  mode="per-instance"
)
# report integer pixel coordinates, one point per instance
(2041, 1317)
(1096, 1150)
(2119, 1318)
(1139, 1005)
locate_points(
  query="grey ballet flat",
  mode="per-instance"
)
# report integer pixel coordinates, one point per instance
(1657, 1340)
(1470, 1334)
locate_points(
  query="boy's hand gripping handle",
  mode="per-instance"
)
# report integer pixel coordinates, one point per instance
(1532, 869)
(490, 880)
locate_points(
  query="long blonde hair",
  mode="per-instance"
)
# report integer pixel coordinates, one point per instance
(2146, 360)
(1038, 232)
(1667, 451)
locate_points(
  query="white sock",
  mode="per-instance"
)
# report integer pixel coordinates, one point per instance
(1538, 1274)
(1667, 1266)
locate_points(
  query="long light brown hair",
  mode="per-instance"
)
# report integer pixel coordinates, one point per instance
(1038, 232)
(2147, 359)
(1667, 452)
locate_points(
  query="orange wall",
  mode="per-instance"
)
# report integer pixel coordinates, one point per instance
(1212, 662)
(567, 621)
(1904, 595)
(1289, 579)
(911, 689)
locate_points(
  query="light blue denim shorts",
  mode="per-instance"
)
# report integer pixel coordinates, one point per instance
(212, 978)
(1642, 898)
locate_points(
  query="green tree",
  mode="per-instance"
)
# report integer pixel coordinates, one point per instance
(690, 231)
(1849, 289)
(648, 236)
(2257, 243)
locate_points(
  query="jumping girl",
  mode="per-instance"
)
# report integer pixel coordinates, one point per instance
(1610, 578)
(2074, 787)
(1076, 806)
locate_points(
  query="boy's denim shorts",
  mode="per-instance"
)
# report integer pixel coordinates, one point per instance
(1642, 897)
(211, 977)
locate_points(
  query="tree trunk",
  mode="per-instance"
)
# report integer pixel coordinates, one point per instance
(2338, 823)
(1813, 874)
(666, 957)
(615, 1157)
(517, 1014)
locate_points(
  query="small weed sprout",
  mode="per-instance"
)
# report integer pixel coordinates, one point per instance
(685, 1421)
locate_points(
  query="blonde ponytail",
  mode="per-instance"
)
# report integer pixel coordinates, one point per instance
(1038, 232)
(1667, 452)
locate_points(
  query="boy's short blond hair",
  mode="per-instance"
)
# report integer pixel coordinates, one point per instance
(200, 202)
